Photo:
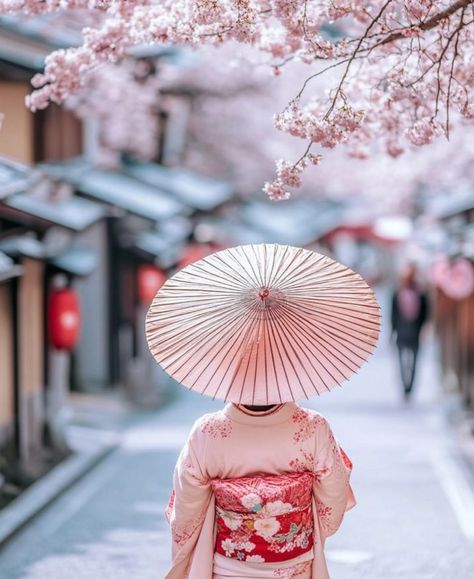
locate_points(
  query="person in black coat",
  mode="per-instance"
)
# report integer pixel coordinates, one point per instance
(409, 314)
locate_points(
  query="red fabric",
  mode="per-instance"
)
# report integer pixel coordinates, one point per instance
(264, 518)
(346, 459)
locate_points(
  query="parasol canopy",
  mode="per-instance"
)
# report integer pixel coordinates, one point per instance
(263, 324)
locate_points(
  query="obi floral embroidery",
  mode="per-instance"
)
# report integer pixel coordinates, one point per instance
(216, 425)
(264, 518)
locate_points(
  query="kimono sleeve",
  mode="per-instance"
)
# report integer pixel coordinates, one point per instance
(190, 498)
(332, 492)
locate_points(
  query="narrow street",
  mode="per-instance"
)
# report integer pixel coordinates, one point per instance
(409, 522)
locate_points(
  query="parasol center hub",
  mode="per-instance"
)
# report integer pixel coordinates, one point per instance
(264, 293)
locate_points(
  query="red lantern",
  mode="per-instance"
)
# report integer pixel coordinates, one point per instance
(195, 252)
(457, 281)
(150, 279)
(63, 318)
(440, 271)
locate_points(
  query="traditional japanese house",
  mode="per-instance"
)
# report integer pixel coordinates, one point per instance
(9, 274)
(51, 134)
(41, 224)
(140, 239)
(453, 287)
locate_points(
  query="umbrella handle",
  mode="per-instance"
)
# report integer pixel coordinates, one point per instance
(264, 293)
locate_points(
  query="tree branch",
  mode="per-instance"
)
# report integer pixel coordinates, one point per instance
(430, 23)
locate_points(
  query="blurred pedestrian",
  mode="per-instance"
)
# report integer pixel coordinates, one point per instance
(261, 484)
(409, 313)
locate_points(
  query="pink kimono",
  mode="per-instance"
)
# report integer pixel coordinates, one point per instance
(255, 496)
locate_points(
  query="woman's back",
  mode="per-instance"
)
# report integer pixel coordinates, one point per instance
(234, 443)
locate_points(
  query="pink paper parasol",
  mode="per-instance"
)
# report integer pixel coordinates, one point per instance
(263, 324)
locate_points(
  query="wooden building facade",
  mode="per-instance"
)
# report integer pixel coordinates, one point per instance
(453, 290)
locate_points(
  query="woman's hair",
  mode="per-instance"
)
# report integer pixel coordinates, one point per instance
(409, 274)
(258, 408)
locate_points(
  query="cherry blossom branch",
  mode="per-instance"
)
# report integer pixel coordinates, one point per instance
(354, 55)
(430, 23)
(400, 77)
(451, 71)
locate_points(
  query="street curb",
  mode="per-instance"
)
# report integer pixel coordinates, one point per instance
(38, 496)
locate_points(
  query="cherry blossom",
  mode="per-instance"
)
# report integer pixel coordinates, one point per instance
(266, 527)
(273, 508)
(382, 76)
(252, 501)
(124, 100)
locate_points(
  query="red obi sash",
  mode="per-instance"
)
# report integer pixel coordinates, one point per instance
(265, 518)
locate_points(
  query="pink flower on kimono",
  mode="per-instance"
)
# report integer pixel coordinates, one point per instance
(216, 425)
(229, 547)
(248, 546)
(241, 536)
(323, 511)
(255, 559)
(252, 501)
(302, 540)
(307, 423)
(170, 506)
(277, 508)
(299, 570)
(266, 528)
(231, 522)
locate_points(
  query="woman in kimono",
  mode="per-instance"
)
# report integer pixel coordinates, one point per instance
(261, 484)
(267, 515)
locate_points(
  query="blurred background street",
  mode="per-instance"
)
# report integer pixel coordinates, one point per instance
(154, 160)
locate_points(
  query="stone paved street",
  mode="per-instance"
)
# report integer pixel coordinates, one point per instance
(414, 517)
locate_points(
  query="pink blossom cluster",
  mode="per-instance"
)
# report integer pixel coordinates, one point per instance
(310, 122)
(288, 175)
(397, 74)
(353, 8)
(242, 95)
(45, 6)
(124, 101)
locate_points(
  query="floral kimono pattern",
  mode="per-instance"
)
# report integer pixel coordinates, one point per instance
(225, 524)
(264, 519)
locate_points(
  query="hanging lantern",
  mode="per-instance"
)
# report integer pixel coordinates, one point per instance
(439, 271)
(458, 282)
(196, 251)
(150, 279)
(63, 318)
